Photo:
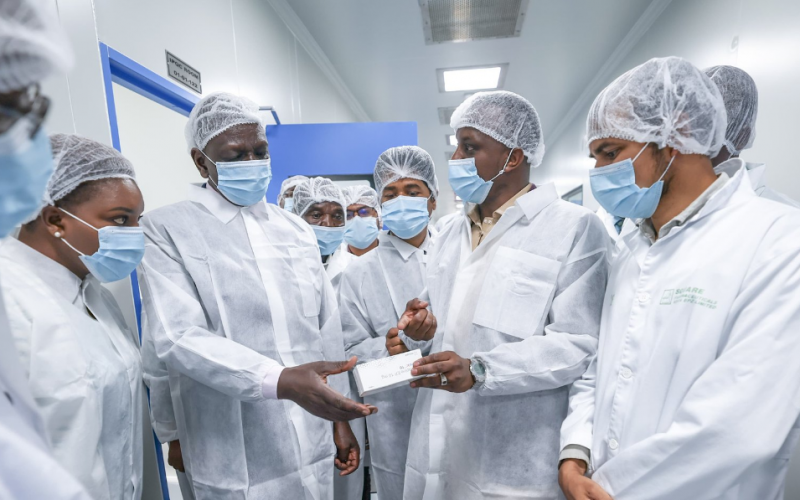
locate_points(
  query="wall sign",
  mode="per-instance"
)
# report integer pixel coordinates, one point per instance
(183, 73)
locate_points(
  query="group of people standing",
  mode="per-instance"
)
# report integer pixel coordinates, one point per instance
(649, 352)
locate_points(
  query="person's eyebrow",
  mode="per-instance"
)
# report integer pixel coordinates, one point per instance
(121, 209)
(599, 149)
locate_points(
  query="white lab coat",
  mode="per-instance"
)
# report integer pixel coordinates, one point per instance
(527, 303)
(229, 293)
(372, 297)
(337, 263)
(349, 487)
(697, 379)
(27, 466)
(755, 172)
(84, 373)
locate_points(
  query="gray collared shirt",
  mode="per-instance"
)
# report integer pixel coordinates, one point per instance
(646, 225)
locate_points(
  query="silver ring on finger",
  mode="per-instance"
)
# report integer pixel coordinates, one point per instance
(443, 379)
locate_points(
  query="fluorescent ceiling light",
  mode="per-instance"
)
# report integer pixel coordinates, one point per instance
(452, 140)
(472, 78)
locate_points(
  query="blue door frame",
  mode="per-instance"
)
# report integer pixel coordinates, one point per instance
(119, 69)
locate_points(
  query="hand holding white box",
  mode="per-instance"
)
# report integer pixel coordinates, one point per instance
(386, 373)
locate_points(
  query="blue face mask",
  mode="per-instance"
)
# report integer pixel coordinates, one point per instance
(328, 238)
(406, 216)
(26, 166)
(614, 187)
(465, 181)
(361, 232)
(121, 250)
(244, 183)
(288, 204)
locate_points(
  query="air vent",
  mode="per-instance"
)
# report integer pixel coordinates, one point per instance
(445, 114)
(466, 20)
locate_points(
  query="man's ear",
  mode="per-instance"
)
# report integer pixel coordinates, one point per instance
(200, 162)
(517, 159)
(432, 205)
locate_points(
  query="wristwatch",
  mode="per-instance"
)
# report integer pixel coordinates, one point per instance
(478, 371)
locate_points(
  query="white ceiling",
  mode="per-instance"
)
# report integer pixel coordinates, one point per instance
(378, 49)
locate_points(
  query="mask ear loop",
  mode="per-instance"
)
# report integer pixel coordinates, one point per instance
(503, 170)
(58, 234)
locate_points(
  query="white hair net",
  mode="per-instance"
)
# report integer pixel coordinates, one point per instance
(78, 160)
(405, 162)
(288, 184)
(316, 190)
(32, 44)
(362, 195)
(740, 95)
(666, 101)
(216, 113)
(507, 118)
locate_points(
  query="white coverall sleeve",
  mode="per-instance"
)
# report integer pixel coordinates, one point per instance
(330, 329)
(156, 378)
(739, 412)
(576, 430)
(360, 337)
(173, 317)
(563, 353)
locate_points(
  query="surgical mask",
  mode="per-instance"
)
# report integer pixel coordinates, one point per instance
(328, 238)
(288, 204)
(406, 216)
(26, 166)
(614, 187)
(361, 232)
(121, 250)
(244, 183)
(467, 184)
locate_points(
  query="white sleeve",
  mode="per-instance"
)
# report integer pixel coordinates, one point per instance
(174, 317)
(360, 337)
(739, 412)
(563, 353)
(576, 430)
(330, 329)
(156, 378)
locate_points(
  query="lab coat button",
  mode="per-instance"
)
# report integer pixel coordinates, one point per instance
(626, 373)
(644, 297)
(613, 444)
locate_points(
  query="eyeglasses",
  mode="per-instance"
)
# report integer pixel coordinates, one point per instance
(361, 212)
(28, 104)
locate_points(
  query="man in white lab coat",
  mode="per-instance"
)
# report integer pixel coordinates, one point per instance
(373, 294)
(515, 287)
(696, 387)
(240, 311)
(740, 94)
(32, 48)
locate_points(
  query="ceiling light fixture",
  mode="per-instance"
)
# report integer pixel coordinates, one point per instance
(472, 78)
(452, 140)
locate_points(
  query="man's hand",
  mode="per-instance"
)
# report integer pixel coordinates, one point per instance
(307, 386)
(575, 485)
(451, 365)
(348, 453)
(394, 344)
(175, 457)
(417, 321)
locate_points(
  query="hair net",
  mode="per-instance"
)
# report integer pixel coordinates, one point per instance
(78, 160)
(507, 118)
(666, 101)
(316, 190)
(289, 184)
(32, 44)
(405, 162)
(740, 95)
(216, 113)
(362, 195)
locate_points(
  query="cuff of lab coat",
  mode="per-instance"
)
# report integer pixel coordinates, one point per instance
(411, 344)
(577, 452)
(269, 387)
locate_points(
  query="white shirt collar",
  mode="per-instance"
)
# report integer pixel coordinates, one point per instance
(221, 208)
(56, 276)
(404, 249)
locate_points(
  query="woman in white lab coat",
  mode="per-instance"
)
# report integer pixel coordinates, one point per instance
(81, 359)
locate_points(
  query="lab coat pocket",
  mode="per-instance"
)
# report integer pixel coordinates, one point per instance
(304, 261)
(516, 292)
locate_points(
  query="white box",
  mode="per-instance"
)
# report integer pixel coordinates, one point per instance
(386, 373)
